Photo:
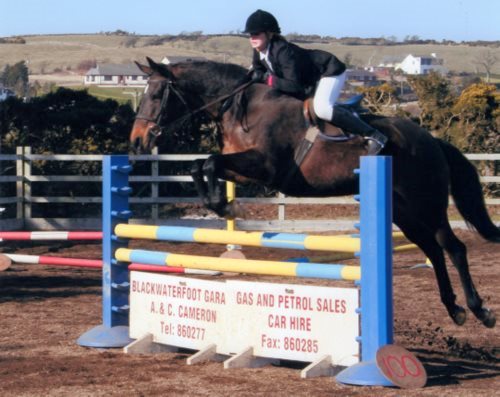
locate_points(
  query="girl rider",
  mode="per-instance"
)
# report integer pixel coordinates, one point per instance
(296, 71)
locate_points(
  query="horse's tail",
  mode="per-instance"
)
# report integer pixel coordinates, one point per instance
(467, 193)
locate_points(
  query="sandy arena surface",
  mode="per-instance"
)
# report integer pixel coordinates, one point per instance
(45, 309)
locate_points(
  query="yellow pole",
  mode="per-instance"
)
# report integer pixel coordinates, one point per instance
(230, 195)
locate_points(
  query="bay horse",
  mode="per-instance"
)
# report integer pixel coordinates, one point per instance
(259, 131)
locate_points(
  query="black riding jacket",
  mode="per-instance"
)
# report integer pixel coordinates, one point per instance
(296, 70)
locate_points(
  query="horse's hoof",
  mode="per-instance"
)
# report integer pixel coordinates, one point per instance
(459, 316)
(488, 318)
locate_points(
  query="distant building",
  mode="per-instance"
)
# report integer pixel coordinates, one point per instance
(420, 64)
(412, 64)
(178, 59)
(361, 76)
(390, 62)
(108, 74)
(5, 93)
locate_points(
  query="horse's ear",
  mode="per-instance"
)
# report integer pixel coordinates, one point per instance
(160, 68)
(152, 64)
(145, 69)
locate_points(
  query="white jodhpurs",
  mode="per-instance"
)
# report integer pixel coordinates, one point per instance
(326, 95)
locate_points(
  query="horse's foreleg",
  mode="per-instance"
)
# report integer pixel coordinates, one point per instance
(216, 198)
(209, 192)
(248, 165)
(199, 182)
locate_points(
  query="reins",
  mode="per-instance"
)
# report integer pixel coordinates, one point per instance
(191, 113)
(223, 98)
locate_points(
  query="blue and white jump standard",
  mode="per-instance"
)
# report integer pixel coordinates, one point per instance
(113, 332)
(376, 270)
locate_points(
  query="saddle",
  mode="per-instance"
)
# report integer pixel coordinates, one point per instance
(319, 127)
(327, 128)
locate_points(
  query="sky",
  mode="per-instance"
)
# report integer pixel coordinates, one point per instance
(458, 20)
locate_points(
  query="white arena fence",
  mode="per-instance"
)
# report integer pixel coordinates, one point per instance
(18, 194)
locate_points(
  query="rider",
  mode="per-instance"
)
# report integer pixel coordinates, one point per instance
(295, 71)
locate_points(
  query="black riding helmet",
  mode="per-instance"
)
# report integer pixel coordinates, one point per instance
(261, 21)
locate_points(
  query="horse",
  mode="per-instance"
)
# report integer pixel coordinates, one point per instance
(259, 132)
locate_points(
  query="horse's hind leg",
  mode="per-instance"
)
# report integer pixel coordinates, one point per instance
(422, 236)
(458, 255)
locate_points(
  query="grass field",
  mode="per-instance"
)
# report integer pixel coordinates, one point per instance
(44, 54)
(120, 94)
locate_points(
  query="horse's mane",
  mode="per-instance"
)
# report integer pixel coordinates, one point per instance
(214, 79)
(208, 78)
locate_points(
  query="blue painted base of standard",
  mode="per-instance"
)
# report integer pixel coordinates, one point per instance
(363, 374)
(103, 336)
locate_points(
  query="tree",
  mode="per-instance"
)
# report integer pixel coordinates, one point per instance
(435, 99)
(66, 121)
(470, 120)
(477, 116)
(379, 98)
(16, 78)
(487, 60)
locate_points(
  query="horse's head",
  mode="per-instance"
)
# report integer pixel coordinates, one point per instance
(182, 95)
(161, 103)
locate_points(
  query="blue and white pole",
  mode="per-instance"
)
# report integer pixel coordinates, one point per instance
(114, 330)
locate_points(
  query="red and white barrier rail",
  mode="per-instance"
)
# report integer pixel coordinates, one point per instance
(53, 235)
(55, 260)
(97, 264)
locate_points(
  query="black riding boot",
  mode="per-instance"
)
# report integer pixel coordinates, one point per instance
(346, 120)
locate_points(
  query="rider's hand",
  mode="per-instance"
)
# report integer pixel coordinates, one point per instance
(257, 76)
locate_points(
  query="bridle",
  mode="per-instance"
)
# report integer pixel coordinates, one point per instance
(157, 118)
(170, 87)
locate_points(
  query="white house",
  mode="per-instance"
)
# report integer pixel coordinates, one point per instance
(419, 64)
(108, 74)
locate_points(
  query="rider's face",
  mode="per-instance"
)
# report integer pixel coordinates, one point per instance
(258, 41)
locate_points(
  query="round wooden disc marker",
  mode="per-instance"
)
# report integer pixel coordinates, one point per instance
(401, 367)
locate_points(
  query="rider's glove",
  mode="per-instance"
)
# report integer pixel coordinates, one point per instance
(257, 76)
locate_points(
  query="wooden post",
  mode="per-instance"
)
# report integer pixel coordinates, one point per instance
(155, 167)
(27, 184)
(19, 186)
(281, 208)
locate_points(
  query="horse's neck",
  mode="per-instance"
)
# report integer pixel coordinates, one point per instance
(209, 83)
